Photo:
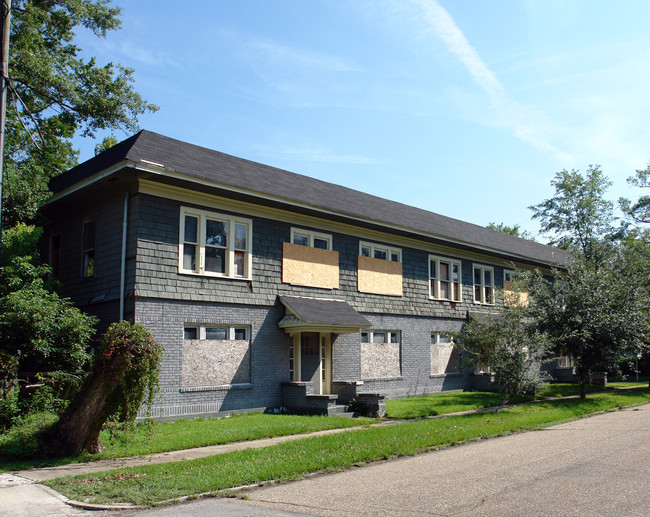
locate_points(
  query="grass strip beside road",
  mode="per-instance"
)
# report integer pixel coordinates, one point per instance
(151, 438)
(456, 401)
(293, 460)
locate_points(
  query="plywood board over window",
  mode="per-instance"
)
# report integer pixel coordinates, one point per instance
(379, 276)
(380, 354)
(512, 297)
(313, 267)
(215, 356)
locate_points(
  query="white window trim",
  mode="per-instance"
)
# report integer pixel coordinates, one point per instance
(311, 235)
(230, 329)
(482, 285)
(452, 263)
(202, 215)
(435, 338)
(388, 333)
(390, 250)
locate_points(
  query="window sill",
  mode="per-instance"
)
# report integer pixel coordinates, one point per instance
(204, 275)
(447, 300)
(381, 294)
(441, 375)
(223, 387)
(400, 378)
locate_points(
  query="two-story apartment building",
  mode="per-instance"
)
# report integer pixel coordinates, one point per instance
(268, 288)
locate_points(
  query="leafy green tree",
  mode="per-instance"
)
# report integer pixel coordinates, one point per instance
(593, 313)
(124, 375)
(510, 345)
(638, 211)
(105, 144)
(578, 216)
(41, 333)
(637, 242)
(56, 94)
(515, 230)
(596, 309)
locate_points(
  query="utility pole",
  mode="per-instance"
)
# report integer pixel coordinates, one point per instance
(4, 62)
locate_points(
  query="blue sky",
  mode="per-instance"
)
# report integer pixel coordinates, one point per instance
(466, 108)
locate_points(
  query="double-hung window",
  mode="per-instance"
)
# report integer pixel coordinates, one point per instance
(484, 284)
(311, 239)
(88, 251)
(444, 279)
(379, 251)
(215, 244)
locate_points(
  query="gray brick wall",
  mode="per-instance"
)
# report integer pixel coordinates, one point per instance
(416, 378)
(269, 355)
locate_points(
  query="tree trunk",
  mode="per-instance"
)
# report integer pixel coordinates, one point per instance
(79, 426)
(583, 376)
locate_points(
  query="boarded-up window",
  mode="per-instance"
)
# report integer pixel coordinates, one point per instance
(380, 354)
(379, 276)
(215, 355)
(310, 266)
(444, 357)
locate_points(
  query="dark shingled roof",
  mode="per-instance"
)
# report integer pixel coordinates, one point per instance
(324, 312)
(229, 171)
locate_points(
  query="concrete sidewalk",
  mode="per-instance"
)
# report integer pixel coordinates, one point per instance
(21, 493)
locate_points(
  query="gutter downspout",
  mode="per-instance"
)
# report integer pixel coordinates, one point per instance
(123, 258)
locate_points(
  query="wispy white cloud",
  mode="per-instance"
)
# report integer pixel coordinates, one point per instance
(141, 54)
(275, 53)
(505, 112)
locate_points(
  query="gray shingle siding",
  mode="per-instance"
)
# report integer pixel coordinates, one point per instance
(104, 287)
(157, 270)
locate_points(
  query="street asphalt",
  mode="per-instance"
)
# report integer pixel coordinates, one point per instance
(598, 466)
(594, 466)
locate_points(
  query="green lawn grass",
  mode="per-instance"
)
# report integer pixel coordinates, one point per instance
(170, 436)
(453, 402)
(292, 460)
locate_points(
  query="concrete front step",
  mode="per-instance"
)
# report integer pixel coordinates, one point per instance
(340, 410)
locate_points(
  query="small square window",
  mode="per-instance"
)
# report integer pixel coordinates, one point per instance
(302, 240)
(191, 333)
(380, 254)
(310, 238)
(219, 333)
(240, 334)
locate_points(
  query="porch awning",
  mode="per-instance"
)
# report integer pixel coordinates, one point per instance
(484, 315)
(320, 315)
